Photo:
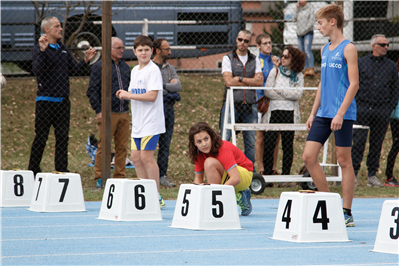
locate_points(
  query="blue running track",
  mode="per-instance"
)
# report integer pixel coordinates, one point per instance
(31, 238)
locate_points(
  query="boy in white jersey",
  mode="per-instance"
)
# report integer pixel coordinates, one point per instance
(334, 109)
(145, 93)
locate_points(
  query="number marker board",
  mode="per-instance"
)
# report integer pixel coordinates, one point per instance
(130, 200)
(206, 207)
(310, 217)
(57, 192)
(16, 188)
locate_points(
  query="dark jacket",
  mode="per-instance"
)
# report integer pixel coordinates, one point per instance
(248, 71)
(378, 82)
(94, 90)
(51, 68)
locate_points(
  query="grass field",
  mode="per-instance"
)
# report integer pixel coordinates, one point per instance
(201, 101)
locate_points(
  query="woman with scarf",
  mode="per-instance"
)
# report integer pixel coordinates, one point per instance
(284, 106)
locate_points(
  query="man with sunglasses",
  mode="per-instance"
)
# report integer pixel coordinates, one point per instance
(120, 119)
(376, 98)
(171, 89)
(242, 68)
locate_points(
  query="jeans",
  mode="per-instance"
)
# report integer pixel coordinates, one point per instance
(394, 149)
(377, 118)
(245, 114)
(120, 132)
(166, 138)
(305, 45)
(57, 115)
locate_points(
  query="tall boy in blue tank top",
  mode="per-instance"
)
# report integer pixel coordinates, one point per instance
(334, 109)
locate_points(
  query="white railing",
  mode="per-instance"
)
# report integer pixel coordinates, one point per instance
(233, 126)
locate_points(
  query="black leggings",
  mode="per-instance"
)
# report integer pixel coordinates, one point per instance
(394, 149)
(287, 140)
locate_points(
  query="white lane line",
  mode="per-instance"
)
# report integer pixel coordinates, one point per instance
(149, 236)
(180, 251)
(49, 217)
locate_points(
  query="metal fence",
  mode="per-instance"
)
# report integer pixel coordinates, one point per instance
(200, 34)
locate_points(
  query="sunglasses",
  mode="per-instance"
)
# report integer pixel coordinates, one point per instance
(285, 56)
(241, 40)
(383, 44)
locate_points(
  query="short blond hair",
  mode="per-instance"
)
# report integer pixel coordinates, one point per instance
(332, 11)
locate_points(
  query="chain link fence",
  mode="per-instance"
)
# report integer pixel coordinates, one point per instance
(200, 34)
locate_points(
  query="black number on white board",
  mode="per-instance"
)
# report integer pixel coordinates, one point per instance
(184, 209)
(139, 199)
(18, 185)
(215, 212)
(38, 189)
(110, 196)
(321, 205)
(64, 188)
(391, 233)
(287, 214)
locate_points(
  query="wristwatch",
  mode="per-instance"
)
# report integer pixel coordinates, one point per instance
(240, 79)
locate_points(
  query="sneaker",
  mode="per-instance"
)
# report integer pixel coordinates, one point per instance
(163, 180)
(391, 182)
(161, 202)
(372, 181)
(244, 201)
(98, 183)
(349, 220)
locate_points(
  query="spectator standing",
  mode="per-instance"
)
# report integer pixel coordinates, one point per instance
(120, 120)
(241, 68)
(171, 88)
(283, 107)
(304, 16)
(391, 181)
(148, 119)
(51, 63)
(376, 99)
(267, 61)
(334, 108)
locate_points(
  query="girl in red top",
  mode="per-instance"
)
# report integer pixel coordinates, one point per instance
(222, 163)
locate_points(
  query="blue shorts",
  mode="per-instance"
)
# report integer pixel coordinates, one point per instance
(145, 144)
(321, 130)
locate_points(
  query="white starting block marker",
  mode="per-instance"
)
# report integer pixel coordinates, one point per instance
(57, 192)
(130, 200)
(310, 217)
(16, 188)
(388, 228)
(206, 207)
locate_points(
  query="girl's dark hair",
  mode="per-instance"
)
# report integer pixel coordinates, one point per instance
(297, 59)
(215, 138)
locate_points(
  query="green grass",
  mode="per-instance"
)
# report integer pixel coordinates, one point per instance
(201, 101)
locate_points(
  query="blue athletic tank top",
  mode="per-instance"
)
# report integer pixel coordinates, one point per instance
(334, 83)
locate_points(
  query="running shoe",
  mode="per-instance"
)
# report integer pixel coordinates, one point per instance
(98, 183)
(349, 222)
(391, 182)
(244, 201)
(161, 202)
(372, 181)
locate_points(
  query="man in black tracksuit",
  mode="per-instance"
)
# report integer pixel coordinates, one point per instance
(51, 64)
